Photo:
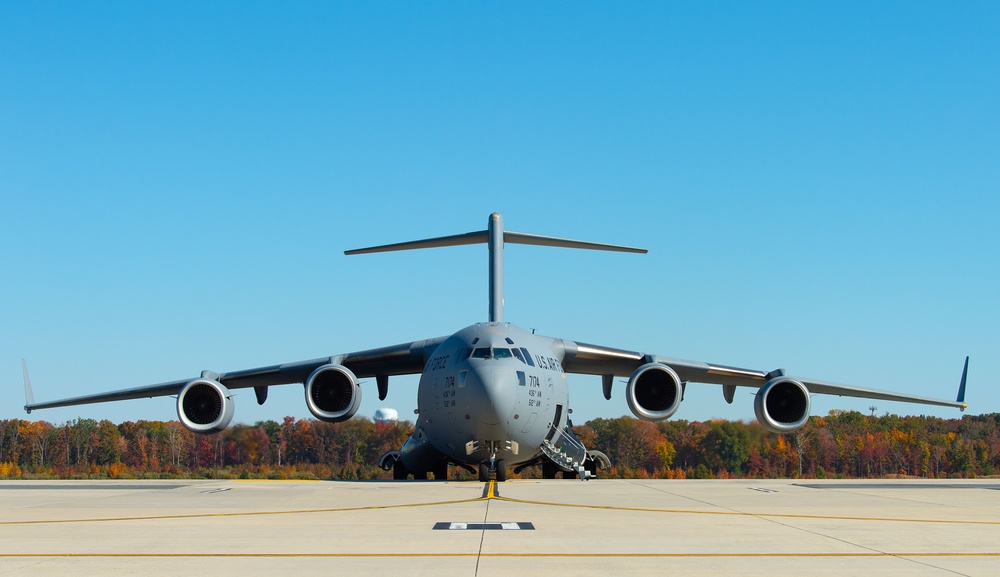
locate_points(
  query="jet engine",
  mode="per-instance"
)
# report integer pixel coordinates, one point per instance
(205, 406)
(654, 392)
(782, 405)
(333, 393)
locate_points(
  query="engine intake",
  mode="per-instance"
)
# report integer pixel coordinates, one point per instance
(205, 406)
(654, 392)
(333, 393)
(782, 405)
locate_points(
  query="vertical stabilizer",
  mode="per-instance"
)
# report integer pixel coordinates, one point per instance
(495, 230)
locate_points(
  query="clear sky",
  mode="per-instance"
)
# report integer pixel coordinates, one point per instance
(818, 187)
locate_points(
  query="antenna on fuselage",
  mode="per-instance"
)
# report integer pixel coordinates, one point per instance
(495, 236)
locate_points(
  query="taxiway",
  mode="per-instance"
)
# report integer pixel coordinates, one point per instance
(624, 527)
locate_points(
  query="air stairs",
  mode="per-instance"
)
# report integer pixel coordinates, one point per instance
(567, 452)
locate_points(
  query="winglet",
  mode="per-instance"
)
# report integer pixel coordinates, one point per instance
(29, 399)
(961, 385)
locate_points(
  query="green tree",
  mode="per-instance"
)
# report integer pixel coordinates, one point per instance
(728, 446)
(81, 432)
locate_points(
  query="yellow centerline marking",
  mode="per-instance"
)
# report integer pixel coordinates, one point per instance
(272, 480)
(742, 513)
(244, 513)
(491, 493)
(551, 555)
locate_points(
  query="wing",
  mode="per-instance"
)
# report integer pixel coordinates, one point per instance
(403, 359)
(599, 360)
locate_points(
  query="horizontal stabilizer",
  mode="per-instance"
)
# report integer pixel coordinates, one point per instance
(482, 237)
(454, 240)
(539, 240)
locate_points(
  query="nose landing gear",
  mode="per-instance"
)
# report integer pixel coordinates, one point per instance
(497, 467)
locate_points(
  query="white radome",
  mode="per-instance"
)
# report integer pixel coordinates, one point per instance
(386, 414)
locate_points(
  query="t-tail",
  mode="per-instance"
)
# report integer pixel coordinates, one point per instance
(494, 237)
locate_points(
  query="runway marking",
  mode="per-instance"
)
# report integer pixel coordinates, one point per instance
(745, 514)
(277, 480)
(483, 526)
(490, 492)
(500, 555)
(243, 514)
(762, 490)
(213, 491)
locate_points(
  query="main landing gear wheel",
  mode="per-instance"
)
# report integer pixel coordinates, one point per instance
(484, 472)
(549, 469)
(399, 472)
(501, 471)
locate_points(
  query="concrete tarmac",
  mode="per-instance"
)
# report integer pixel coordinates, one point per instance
(619, 527)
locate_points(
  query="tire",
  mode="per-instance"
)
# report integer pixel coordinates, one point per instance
(484, 472)
(501, 471)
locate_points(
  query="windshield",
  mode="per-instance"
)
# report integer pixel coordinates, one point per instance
(492, 353)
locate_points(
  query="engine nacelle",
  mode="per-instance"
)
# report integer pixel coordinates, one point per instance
(654, 392)
(205, 406)
(782, 405)
(333, 393)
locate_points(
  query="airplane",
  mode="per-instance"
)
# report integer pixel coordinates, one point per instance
(494, 397)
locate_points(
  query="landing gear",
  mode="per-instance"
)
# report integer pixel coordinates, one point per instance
(399, 472)
(499, 467)
(501, 471)
(549, 469)
(391, 461)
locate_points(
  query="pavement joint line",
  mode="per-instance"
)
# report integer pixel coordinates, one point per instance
(744, 513)
(490, 492)
(242, 514)
(501, 555)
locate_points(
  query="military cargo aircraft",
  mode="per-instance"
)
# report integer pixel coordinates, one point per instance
(493, 397)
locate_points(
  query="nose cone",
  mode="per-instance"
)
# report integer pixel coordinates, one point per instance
(492, 393)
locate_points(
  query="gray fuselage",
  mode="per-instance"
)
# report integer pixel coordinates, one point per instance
(490, 391)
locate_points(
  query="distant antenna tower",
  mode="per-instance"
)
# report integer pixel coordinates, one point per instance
(873, 408)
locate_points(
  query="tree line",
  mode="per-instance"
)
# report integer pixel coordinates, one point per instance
(843, 444)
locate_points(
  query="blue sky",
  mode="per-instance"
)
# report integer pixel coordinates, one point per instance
(818, 186)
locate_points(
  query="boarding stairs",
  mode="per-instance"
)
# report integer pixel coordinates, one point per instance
(566, 451)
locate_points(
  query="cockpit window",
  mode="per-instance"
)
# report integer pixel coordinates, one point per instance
(517, 354)
(527, 357)
(493, 353)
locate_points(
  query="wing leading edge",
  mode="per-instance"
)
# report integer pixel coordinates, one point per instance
(590, 359)
(402, 359)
